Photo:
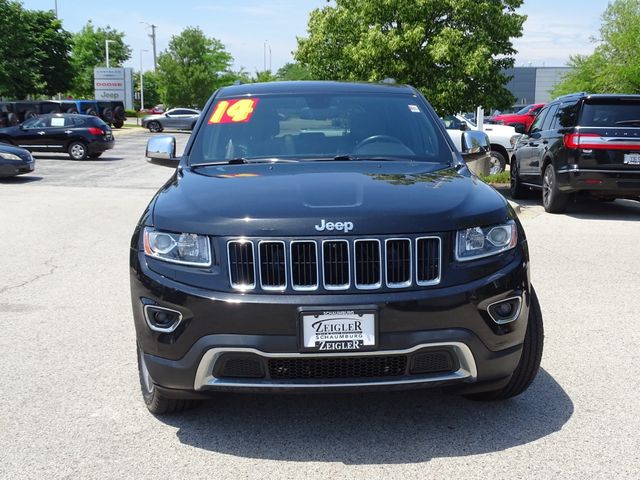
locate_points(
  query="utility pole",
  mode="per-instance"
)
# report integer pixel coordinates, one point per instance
(56, 5)
(153, 41)
(152, 36)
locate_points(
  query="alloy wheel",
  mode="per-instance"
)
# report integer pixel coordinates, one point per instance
(78, 151)
(547, 186)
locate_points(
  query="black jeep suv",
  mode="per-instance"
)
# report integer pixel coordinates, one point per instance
(580, 143)
(321, 236)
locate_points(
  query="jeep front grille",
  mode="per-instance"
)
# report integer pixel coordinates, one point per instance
(334, 264)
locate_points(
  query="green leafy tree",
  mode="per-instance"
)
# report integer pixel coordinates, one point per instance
(192, 68)
(293, 71)
(89, 52)
(614, 66)
(265, 76)
(152, 95)
(452, 50)
(34, 52)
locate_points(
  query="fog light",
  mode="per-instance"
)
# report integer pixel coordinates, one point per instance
(505, 311)
(161, 319)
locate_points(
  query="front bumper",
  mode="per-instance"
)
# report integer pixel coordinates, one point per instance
(265, 327)
(620, 183)
(13, 168)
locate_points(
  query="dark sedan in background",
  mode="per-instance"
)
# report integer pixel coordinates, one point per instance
(15, 161)
(174, 119)
(81, 136)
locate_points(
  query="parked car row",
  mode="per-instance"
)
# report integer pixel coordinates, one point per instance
(14, 113)
(81, 136)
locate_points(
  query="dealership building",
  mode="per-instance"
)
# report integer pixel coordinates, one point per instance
(534, 84)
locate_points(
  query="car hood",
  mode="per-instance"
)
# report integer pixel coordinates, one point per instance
(20, 152)
(509, 117)
(290, 199)
(500, 129)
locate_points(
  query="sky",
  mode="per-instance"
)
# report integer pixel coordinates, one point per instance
(554, 30)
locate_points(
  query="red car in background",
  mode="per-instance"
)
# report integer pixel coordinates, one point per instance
(523, 116)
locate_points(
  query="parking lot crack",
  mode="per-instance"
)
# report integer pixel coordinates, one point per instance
(52, 268)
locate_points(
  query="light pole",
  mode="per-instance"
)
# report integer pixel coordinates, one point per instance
(106, 48)
(56, 5)
(152, 35)
(141, 82)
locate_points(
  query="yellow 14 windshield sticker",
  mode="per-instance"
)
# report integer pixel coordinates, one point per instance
(233, 111)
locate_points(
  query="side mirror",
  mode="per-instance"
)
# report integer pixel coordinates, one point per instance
(476, 151)
(464, 127)
(520, 128)
(161, 150)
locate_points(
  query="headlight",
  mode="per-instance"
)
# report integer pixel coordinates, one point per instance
(478, 242)
(183, 248)
(10, 156)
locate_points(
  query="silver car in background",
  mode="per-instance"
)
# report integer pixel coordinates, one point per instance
(174, 119)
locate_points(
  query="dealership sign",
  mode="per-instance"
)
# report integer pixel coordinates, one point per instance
(114, 84)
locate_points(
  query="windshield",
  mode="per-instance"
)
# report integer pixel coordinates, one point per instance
(319, 126)
(524, 110)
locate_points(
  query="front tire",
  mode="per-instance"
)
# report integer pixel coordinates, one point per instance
(529, 363)
(154, 127)
(553, 200)
(517, 190)
(77, 151)
(498, 163)
(156, 402)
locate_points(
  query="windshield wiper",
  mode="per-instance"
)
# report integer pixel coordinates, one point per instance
(355, 158)
(628, 122)
(243, 161)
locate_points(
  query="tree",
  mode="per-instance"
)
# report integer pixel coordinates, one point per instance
(152, 95)
(89, 52)
(452, 50)
(192, 68)
(614, 66)
(293, 71)
(34, 52)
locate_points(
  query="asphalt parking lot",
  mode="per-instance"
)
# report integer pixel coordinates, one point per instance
(70, 405)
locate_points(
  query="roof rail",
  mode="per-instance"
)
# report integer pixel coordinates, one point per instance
(568, 95)
(389, 81)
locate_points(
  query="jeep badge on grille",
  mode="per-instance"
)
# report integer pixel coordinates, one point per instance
(330, 226)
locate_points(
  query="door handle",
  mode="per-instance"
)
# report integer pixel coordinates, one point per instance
(40, 133)
(68, 132)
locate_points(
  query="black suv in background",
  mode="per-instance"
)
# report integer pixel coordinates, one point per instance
(322, 236)
(81, 136)
(580, 143)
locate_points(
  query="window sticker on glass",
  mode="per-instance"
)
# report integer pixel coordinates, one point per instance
(57, 122)
(233, 111)
(414, 108)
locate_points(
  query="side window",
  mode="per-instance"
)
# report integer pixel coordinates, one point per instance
(536, 126)
(179, 112)
(37, 122)
(567, 114)
(550, 118)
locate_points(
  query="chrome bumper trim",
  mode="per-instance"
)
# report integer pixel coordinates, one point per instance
(206, 381)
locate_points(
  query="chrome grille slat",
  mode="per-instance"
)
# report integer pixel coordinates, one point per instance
(398, 262)
(334, 264)
(304, 265)
(428, 260)
(367, 264)
(241, 264)
(273, 269)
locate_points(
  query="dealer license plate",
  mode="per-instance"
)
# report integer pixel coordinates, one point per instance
(632, 158)
(338, 330)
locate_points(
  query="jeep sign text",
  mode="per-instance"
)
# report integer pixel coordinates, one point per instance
(330, 226)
